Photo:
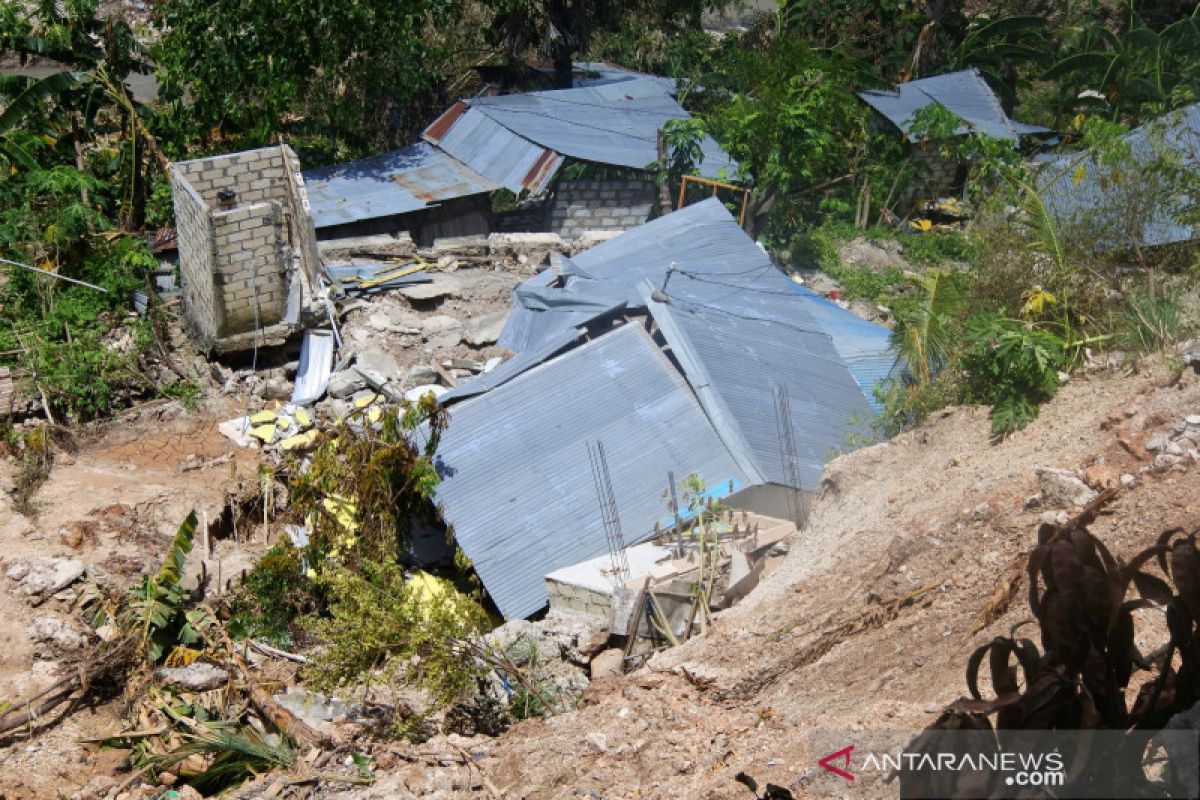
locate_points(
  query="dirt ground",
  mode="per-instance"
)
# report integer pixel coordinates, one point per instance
(114, 504)
(938, 510)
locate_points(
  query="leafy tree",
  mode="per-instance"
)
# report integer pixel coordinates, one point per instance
(1132, 74)
(789, 117)
(363, 73)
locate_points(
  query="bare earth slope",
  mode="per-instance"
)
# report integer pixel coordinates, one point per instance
(937, 515)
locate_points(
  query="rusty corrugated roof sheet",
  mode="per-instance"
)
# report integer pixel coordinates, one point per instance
(405, 180)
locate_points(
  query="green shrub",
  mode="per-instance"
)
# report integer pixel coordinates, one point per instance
(1013, 366)
(273, 596)
(384, 627)
(1150, 323)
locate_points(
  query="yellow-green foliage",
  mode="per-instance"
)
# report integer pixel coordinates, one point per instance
(382, 627)
(364, 487)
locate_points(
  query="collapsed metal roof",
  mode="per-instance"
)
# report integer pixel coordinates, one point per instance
(1079, 191)
(733, 330)
(519, 140)
(517, 485)
(410, 179)
(965, 93)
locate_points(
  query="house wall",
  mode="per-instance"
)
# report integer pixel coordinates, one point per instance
(934, 175)
(597, 205)
(771, 500)
(195, 230)
(250, 269)
(236, 264)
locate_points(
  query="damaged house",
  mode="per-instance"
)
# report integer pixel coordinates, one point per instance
(965, 94)
(1130, 205)
(681, 349)
(575, 158)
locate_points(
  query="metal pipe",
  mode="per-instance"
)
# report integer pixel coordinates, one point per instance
(54, 275)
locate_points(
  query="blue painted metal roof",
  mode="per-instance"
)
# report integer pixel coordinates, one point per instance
(519, 140)
(862, 345)
(734, 362)
(517, 485)
(1078, 191)
(518, 364)
(965, 93)
(405, 180)
(717, 267)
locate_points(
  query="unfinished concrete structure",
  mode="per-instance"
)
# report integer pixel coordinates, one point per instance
(247, 248)
(600, 205)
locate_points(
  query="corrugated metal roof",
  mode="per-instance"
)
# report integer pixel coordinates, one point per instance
(965, 93)
(597, 73)
(718, 266)
(518, 364)
(516, 481)
(612, 124)
(1092, 200)
(862, 345)
(735, 361)
(507, 136)
(494, 151)
(405, 180)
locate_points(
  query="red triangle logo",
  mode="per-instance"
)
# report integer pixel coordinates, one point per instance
(844, 756)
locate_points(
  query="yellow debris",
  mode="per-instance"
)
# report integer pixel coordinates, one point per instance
(428, 589)
(263, 417)
(299, 441)
(365, 400)
(264, 432)
(374, 415)
(303, 418)
(284, 422)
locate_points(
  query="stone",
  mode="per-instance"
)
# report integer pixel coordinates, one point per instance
(1128, 480)
(199, 676)
(492, 363)
(1192, 420)
(345, 382)
(1101, 477)
(315, 709)
(1157, 442)
(439, 324)
(277, 389)
(1166, 460)
(43, 577)
(1053, 518)
(981, 511)
(417, 392)
(379, 245)
(1062, 488)
(422, 374)
(376, 367)
(608, 664)
(58, 632)
(1182, 758)
(484, 329)
(442, 286)
(1133, 442)
(818, 281)
(443, 341)
(598, 741)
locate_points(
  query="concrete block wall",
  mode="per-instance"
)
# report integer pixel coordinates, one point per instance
(194, 226)
(934, 175)
(250, 274)
(594, 205)
(255, 175)
(566, 596)
(236, 263)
